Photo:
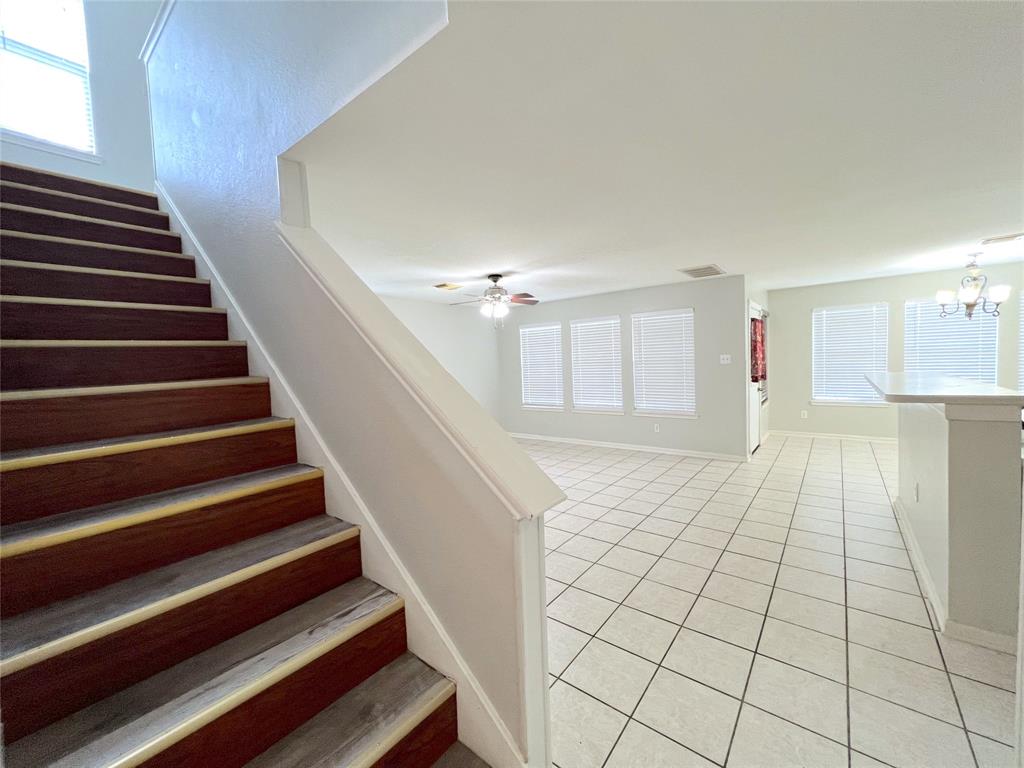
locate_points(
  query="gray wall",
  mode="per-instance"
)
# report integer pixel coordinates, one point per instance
(120, 107)
(789, 345)
(720, 323)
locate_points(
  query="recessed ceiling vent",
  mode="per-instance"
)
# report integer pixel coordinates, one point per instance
(708, 270)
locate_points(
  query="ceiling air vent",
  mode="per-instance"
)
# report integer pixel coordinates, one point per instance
(708, 270)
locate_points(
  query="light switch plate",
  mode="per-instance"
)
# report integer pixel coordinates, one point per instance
(725, 359)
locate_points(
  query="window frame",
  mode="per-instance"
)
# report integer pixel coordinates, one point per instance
(658, 413)
(875, 400)
(979, 320)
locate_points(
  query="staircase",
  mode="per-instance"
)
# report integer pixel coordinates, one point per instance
(171, 589)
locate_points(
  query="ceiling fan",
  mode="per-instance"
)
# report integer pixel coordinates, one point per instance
(496, 300)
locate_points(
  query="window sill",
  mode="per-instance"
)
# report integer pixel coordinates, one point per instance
(543, 407)
(665, 415)
(604, 411)
(845, 404)
(41, 145)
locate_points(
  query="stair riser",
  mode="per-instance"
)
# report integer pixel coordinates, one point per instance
(427, 742)
(96, 256)
(65, 321)
(41, 223)
(46, 367)
(44, 693)
(51, 283)
(35, 492)
(57, 420)
(77, 186)
(37, 198)
(254, 726)
(37, 578)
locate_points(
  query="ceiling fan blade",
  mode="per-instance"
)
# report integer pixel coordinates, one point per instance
(522, 295)
(530, 302)
(459, 303)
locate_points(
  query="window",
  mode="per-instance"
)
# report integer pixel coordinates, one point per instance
(846, 343)
(952, 346)
(663, 363)
(597, 364)
(44, 72)
(1020, 345)
(540, 355)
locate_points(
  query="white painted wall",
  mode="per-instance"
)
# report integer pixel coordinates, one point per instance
(448, 505)
(719, 328)
(461, 340)
(789, 345)
(120, 107)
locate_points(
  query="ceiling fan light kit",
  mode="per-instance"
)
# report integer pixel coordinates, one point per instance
(972, 294)
(496, 301)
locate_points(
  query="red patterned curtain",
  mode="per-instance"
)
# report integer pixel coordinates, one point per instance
(758, 364)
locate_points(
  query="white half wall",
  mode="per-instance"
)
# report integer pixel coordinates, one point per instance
(120, 106)
(720, 328)
(461, 340)
(789, 345)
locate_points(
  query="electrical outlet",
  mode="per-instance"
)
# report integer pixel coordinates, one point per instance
(657, 427)
(725, 359)
(803, 414)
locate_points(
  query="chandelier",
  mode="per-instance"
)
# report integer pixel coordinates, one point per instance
(972, 294)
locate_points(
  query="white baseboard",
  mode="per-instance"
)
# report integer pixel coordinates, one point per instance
(830, 436)
(632, 447)
(473, 700)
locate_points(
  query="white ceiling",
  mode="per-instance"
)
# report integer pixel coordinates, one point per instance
(592, 147)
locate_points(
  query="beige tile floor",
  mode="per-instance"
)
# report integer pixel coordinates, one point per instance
(752, 614)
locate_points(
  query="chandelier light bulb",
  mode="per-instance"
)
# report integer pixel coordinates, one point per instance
(999, 293)
(500, 310)
(487, 309)
(969, 294)
(945, 297)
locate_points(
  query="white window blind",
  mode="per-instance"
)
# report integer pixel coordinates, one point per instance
(951, 346)
(44, 72)
(846, 343)
(597, 364)
(540, 355)
(663, 363)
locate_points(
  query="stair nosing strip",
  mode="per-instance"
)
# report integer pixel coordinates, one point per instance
(94, 244)
(86, 635)
(273, 676)
(197, 436)
(90, 219)
(75, 178)
(87, 198)
(403, 729)
(88, 530)
(49, 343)
(49, 300)
(128, 389)
(50, 267)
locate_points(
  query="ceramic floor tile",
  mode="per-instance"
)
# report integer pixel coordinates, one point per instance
(606, 532)
(659, 600)
(585, 548)
(569, 523)
(874, 553)
(886, 602)
(813, 651)
(607, 582)
(610, 674)
(639, 633)
(554, 538)
(799, 696)
(563, 567)
(977, 663)
(765, 531)
(583, 730)
(765, 550)
(650, 543)
(679, 575)
(640, 747)
(726, 622)
(694, 554)
(564, 642)
(876, 574)
(750, 568)
(705, 536)
(581, 610)
(905, 739)
(553, 589)
(765, 741)
(690, 713)
(809, 612)
(739, 592)
(987, 710)
(992, 754)
(812, 583)
(628, 560)
(622, 518)
(661, 527)
(895, 637)
(710, 661)
(912, 685)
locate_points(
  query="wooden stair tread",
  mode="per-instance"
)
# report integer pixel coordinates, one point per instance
(51, 180)
(174, 703)
(77, 217)
(78, 524)
(77, 196)
(49, 267)
(127, 389)
(41, 633)
(109, 304)
(460, 756)
(11, 460)
(360, 727)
